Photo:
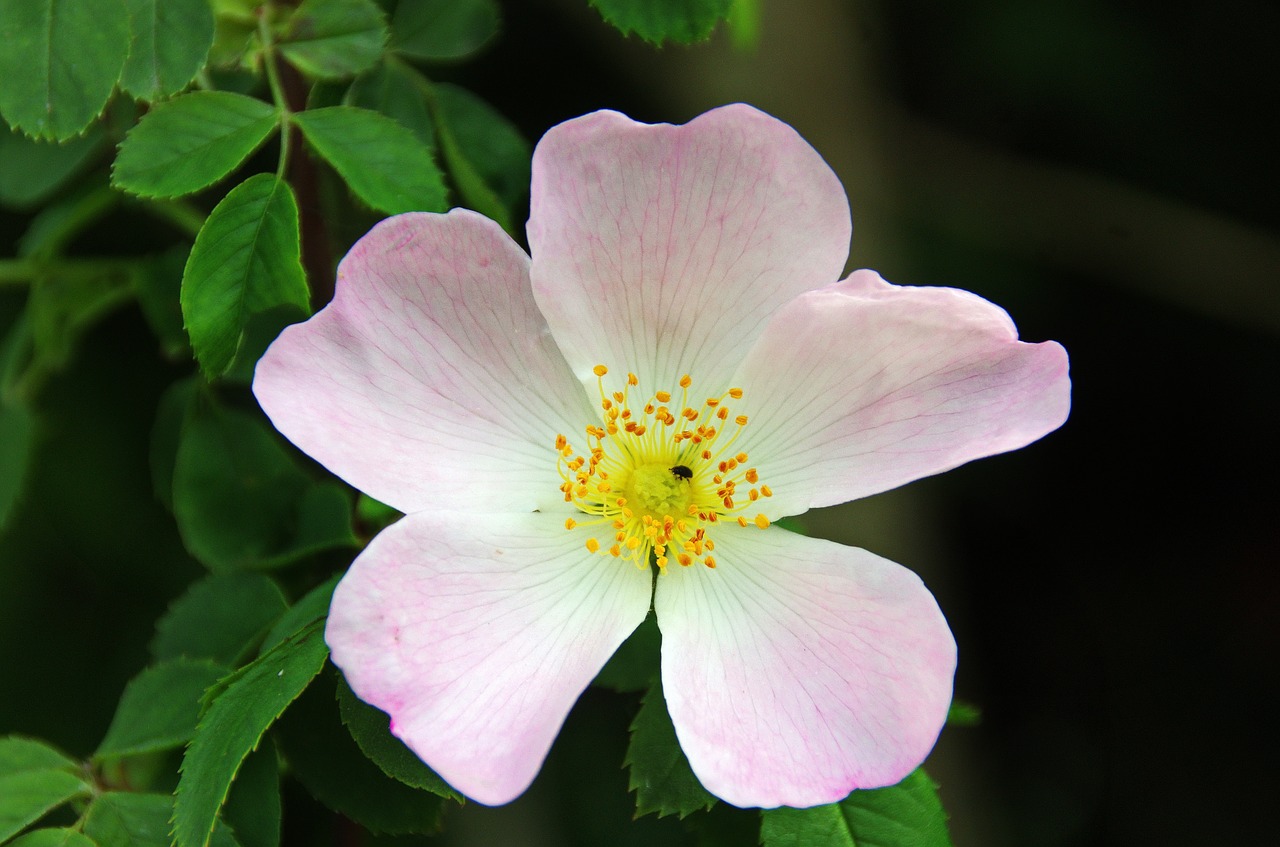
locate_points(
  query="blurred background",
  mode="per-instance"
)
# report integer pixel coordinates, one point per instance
(1105, 172)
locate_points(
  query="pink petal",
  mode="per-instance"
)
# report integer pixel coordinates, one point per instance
(863, 386)
(430, 381)
(663, 249)
(798, 670)
(477, 633)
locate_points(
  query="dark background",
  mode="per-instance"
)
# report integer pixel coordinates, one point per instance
(1103, 171)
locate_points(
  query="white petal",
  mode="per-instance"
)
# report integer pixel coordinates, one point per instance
(798, 670)
(663, 249)
(477, 634)
(431, 380)
(864, 386)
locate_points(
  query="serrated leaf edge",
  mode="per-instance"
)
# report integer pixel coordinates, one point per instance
(207, 701)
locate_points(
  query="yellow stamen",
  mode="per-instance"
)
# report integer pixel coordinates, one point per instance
(659, 478)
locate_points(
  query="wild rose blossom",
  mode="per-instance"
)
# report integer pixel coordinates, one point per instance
(614, 424)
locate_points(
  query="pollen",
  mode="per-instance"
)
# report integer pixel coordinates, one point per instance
(658, 472)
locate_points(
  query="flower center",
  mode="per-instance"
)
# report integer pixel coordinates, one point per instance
(656, 476)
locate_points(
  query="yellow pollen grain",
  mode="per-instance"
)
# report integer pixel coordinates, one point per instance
(766, 491)
(672, 463)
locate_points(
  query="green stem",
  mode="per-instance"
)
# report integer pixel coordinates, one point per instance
(277, 88)
(20, 271)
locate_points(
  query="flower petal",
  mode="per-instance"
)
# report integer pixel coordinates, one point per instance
(659, 249)
(798, 669)
(431, 380)
(863, 386)
(477, 634)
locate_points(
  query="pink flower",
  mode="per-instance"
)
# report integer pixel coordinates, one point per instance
(675, 368)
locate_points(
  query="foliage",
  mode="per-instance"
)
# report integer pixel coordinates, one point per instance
(243, 139)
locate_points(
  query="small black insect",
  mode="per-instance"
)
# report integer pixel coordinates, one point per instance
(682, 472)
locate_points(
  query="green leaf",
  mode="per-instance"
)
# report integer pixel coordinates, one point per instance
(27, 796)
(334, 38)
(328, 763)
(176, 405)
(260, 332)
(656, 21)
(488, 159)
(55, 225)
(190, 142)
(312, 607)
(52, 838)
(660, 774)
(17, 437)
(501, 155)
(125, 819)
(443, 29)
(158, 287)
(246, 260)
(234, 31)
(744, 23)
(908, 814)
(391, 89)
(219, 618)
(963, 714)
(233, 725)
(31, 170)
(159, 708)
(634, 667)
(384, 163)
(46, 93)
(171, 40)
(371, 729)
(241, 501)
(375, 516)
(21, 755)
(62, 307)
(253, 807)
(635, 664)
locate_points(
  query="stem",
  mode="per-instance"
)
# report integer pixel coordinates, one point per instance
(289, 90)
(277, 88)
(19, 271)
